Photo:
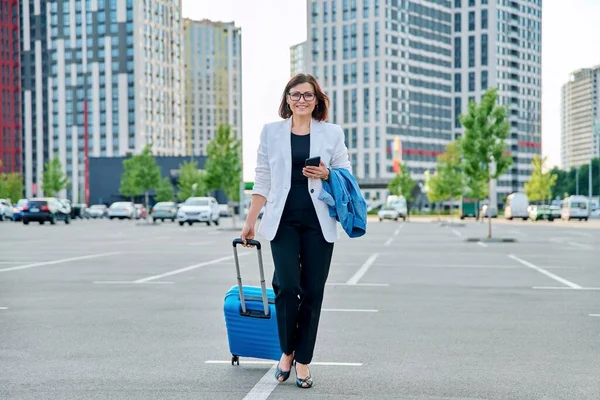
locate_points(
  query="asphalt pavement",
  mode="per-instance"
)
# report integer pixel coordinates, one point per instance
(125, 310)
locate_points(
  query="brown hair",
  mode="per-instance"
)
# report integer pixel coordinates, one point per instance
(320, 111)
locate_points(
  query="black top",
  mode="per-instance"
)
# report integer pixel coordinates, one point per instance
(299, 198)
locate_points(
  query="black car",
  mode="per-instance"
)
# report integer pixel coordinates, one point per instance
(45, 209)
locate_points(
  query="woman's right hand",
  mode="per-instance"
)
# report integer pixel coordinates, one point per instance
(247, 232)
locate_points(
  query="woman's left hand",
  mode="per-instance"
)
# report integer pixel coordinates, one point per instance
(320, 172)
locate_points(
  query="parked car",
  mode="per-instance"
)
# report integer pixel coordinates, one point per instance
(516, 206)
(575, 207)
(541, 212)
(45, 209)
(121, 210)
(555, 212)
(18, 209)
(199, 209)
(6, 210)
(388, 212)
(97, 211)
(164, 210)
(225, 210)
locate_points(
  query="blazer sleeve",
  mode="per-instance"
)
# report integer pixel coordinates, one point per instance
(340, 152)
(262, 178)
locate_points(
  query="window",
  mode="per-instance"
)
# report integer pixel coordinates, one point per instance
(471, 81)
(471, 51)
(457, 22)
(471, 20)
(457, 111)
(471, 3)
(484, 80)
(484, 49)
(457, 82)
(457, 52)
(484, 19)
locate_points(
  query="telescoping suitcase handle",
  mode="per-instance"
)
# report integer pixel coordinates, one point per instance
(263, 287)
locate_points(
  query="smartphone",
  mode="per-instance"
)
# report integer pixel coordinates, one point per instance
(313, 161)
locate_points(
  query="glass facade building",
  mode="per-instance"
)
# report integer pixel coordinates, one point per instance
(580, 118)
(400, 72)
(121, 59)
(213, 81)
(10, 84)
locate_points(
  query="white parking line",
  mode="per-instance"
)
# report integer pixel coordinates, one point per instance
(482, 244)
(594, 315)
(547, 273)
(564, 288)
(357, 284)
(3, 308)
(132, 283)
(582, 246)
(347, 310)
(397, 231)
(363, 270)
(267, 362)
(388, 242)
(457, 233)
(264, 387)
(191, 267)
(61, 261)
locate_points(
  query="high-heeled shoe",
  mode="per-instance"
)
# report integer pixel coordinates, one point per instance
(282, 374)
(301, 382)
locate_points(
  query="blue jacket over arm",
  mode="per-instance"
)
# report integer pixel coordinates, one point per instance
(346, 202)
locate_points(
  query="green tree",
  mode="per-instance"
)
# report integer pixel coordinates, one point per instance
(539, 187)
(437, 192)
(403, 184)
(223, 164)
(164, 192)
(449, 172)
(11, 186)
(192, 181)
(483, 146)
(129, 187)
(147, 176)
(54, 179)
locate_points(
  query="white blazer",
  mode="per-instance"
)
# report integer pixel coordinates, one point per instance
(274, 172)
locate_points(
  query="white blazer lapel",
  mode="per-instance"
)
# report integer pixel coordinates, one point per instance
(285, 138)
(316, 138)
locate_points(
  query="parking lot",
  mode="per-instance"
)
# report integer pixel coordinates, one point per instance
(104, 309)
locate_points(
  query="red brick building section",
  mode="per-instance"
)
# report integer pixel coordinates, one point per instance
(10, 88)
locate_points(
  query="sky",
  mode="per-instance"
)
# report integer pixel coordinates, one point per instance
(570, 32)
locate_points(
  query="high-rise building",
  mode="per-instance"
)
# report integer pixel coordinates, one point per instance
(299, 58)
(34, 88)
(10, 88)
(213, 81)
(119, 60)
(580, 118)
(399, 72)
(500, 45)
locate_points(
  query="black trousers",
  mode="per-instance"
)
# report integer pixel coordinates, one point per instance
(302, 258)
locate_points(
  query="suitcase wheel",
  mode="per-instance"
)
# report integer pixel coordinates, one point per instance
(235, 359)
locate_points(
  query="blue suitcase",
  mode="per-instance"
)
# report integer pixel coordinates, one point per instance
(250, 316)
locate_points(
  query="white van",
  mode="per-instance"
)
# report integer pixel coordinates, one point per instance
(575, 207)
(399, 204)
(517, 206)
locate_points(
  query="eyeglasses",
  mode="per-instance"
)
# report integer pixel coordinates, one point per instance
(308, 96)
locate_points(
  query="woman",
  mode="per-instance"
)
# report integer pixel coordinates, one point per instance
(295, 220)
